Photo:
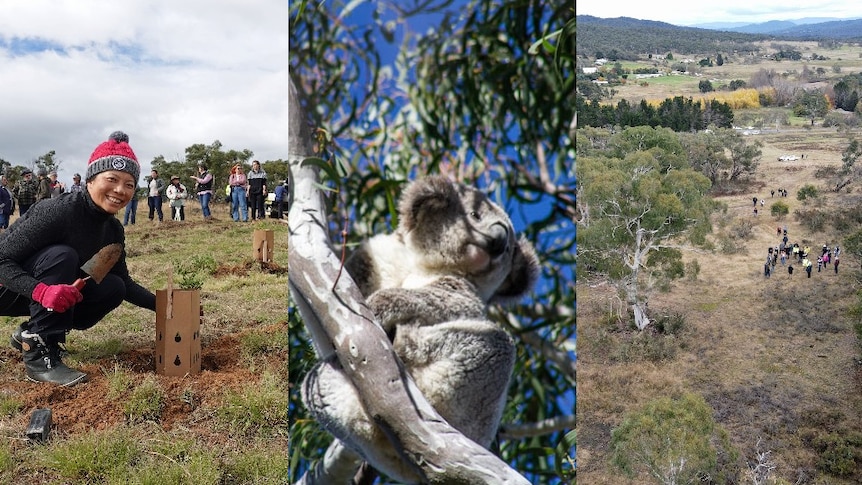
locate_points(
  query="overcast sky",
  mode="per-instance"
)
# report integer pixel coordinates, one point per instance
(169, 73)
(688, 12)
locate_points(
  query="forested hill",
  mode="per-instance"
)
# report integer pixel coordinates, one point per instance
(630, 37)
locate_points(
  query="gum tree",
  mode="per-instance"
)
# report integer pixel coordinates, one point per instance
(642, 203)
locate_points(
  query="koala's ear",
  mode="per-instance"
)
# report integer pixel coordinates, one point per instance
(429, 195)
(525, 271)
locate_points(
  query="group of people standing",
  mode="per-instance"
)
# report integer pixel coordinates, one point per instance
(29, 190)
(787, 254)
(247, 191)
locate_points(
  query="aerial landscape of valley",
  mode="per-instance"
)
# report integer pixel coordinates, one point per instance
(703, 157)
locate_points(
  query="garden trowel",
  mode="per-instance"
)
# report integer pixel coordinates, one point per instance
(100, 264)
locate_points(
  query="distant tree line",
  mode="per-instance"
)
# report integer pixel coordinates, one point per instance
(678, 114)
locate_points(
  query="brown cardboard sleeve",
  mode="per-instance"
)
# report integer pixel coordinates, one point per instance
(178, 332)
(262, 244)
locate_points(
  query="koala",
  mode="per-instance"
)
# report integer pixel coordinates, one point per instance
(429, 284)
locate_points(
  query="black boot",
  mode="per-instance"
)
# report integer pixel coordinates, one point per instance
(43, 364)
(15, 340)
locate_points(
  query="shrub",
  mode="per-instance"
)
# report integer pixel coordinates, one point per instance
(741, 229)
(692, 270)
(812, 219)
(779, 210)
(672, 440)
(807, 191)
(839, 453)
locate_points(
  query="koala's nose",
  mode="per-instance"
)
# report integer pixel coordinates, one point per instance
(498, 241)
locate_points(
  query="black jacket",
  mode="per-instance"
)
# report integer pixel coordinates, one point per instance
(72, 219)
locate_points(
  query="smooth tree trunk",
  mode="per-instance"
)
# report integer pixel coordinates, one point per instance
(340, 323)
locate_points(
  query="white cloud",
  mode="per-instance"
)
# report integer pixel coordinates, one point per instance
(169, 73)
(686, 12)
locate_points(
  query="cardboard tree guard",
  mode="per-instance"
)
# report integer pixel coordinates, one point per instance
(262, 245)
(178, 338)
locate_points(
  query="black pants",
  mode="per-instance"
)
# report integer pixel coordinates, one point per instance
(256, 206)
(59, 265)
(155, 204)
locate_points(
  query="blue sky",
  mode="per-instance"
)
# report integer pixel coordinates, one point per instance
(169, 73)
(686, 12)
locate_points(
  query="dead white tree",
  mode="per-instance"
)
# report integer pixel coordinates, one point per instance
(340, 323)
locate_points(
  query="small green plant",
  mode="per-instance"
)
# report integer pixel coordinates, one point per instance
(779, 210)
(191, 271)
(145, 402)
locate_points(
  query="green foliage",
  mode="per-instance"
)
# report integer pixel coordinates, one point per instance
(673, 440)
(145, 402)
(677, 113)
(779, 210)
(692, 270)
(840, 453)
(705, 86)
(806, 192)
(638, 194)
(471, 98)
(192, 270)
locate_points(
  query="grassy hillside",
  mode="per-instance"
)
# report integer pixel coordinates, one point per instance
(776, 360)
(227, 424)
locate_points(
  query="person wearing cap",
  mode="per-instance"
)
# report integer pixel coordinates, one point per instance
(44, 191)
(57, 187)
(25, 191)
(204, 182)
(177, 195)
(76, 186)
(41, 256)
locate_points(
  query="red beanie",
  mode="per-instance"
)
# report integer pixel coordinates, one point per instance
(114, 154)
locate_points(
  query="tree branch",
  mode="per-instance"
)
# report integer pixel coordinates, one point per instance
(339, 322)
(546, 426)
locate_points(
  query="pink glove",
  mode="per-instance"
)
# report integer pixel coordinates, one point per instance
(58, 298)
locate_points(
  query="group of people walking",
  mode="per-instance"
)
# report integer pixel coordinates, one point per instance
(788, 254)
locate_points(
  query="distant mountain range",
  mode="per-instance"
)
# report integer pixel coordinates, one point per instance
(812, 27)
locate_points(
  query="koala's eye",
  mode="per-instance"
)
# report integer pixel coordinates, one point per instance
(476, 215)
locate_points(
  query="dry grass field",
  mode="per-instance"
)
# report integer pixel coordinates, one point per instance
(777, 359)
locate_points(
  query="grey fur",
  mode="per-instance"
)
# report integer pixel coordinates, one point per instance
(429, 284)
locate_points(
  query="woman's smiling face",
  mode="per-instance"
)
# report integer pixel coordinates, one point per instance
(111, 190)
